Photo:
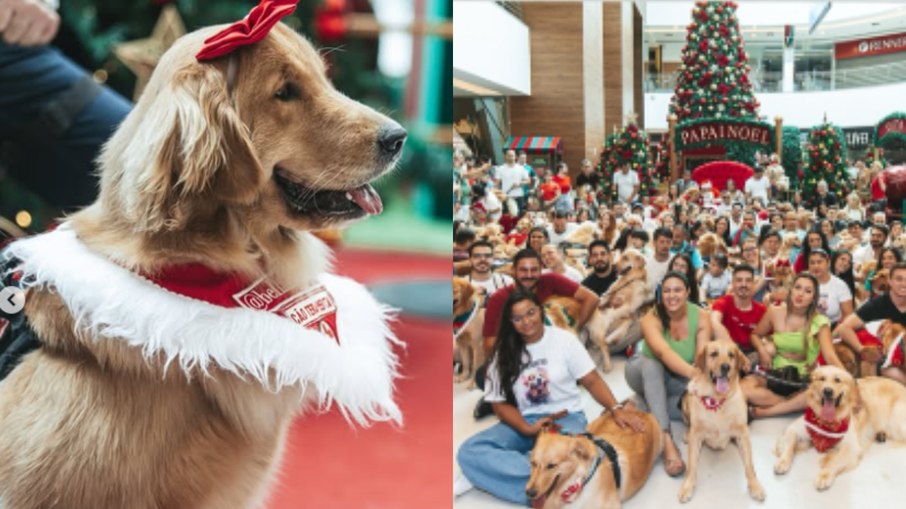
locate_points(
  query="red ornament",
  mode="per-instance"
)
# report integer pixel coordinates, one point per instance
(722, 60)
(330, 20)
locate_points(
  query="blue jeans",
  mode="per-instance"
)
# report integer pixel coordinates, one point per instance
(59, 167)
(496, 460)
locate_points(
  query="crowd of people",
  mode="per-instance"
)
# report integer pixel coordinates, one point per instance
(784, 276)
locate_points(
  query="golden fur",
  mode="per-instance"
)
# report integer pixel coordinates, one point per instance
(716, 428)
(631, 291)
(710, 243)
(874, 406)
(572, 457)
(563, 312)
(468, 344)
(187, 178)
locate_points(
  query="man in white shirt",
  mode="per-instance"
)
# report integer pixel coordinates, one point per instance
(656, 264)
(553, 260)
(758, 186)
(512, 177)
(627, 184)
(561, 228)
(869, 252)
(482, 275)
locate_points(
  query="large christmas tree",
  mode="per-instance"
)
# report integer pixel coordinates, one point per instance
(628, 145)
(825, 160)
(713, 80)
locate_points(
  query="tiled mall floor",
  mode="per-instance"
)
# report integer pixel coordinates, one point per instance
(878, 481)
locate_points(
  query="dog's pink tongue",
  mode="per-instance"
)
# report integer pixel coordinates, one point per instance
(722, 385)
(367, 198)
(538, 502)
(828, 411)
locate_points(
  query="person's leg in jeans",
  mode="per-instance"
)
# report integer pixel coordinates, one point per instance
(58, 166)
(496, 459)
(649, 379)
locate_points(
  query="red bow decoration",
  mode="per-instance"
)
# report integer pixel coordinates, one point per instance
(251, 29)
(782, 263)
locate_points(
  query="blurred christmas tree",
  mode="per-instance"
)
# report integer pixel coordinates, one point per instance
(713, 79)
(628, 146)
(825, 160)
(791, 159)
(870, 156)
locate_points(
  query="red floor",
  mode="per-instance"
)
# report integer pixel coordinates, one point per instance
(330, 464)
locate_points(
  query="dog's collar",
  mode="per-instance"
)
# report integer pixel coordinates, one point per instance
(313, 307)
(460, 322)
(712, 404)
(824, 435)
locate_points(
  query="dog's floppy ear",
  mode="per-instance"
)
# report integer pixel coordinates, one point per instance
(467, 291)
(579, 450)
(187, 139)
(700, 360)
(740, 360)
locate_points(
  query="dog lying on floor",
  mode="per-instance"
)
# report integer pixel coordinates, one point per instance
(142, 398)
(575, 472)
(716, 410)
(843, 417)
(468, 318)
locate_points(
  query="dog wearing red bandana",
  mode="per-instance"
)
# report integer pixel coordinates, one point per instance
(187, 316)
(716, 411)
(842, 418)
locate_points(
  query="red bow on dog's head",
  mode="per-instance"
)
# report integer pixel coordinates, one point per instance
(247, 31)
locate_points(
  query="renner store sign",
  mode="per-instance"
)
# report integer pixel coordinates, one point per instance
(870, 47)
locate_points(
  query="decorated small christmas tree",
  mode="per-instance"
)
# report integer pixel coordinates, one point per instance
(792, 155)
(606, 191)
(628, 145)
(713, 80)
(870, 156)
(825, 160)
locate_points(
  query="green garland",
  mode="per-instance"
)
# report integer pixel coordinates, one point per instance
(897, 115)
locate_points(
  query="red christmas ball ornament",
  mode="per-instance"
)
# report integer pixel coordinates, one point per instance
(703, 45)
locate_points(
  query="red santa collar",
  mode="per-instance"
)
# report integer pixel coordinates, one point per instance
(712, 404)
(824, 435)
(313, 307)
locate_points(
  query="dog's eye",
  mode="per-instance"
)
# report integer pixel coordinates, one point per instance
(550, 466)
(288, 92)
(713, 354)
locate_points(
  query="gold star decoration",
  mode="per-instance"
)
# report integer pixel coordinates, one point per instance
(141, 55)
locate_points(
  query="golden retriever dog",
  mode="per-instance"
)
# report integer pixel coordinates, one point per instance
(584, 234)
(561, 465)
(842, 418)
(716, 408)
(468, 319)
(562, 312)
(173, 402)
(622, 305)
(710, 243)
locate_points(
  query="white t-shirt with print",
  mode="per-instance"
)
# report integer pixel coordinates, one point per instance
(625, 184)
(830, 295)
(548, 383)
(656, 270)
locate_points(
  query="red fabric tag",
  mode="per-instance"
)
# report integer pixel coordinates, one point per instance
(820, 431)
(313, 308)
(254, 27)
(712, 403)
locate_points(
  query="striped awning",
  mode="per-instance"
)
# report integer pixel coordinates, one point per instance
(535, 143)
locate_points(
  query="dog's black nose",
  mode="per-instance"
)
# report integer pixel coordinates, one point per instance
(828, 392)
(390, 139)
(531, 493)
(724, 369)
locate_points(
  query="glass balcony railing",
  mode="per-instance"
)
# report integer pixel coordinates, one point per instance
(804, 81)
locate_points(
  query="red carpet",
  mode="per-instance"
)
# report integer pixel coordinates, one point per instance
(330, 464)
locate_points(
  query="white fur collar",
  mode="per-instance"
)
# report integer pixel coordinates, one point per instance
(111, 302)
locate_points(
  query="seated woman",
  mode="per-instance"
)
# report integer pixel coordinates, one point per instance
(672, 331)
(788, 339)
(531, 382)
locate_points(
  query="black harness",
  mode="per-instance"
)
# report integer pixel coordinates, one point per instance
(605, 447)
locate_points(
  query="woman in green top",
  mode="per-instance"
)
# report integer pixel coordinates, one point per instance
(673, 331)
(788, 339)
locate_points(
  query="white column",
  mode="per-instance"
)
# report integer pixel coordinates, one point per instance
(626, 40)
(789, 68)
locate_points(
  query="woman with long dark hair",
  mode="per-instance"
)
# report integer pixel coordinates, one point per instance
(531, 383)
(789, 338)
(842, 267)
(537, 238)
(673, 331)
(814, 239)
(887, 258)
(722, 229)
